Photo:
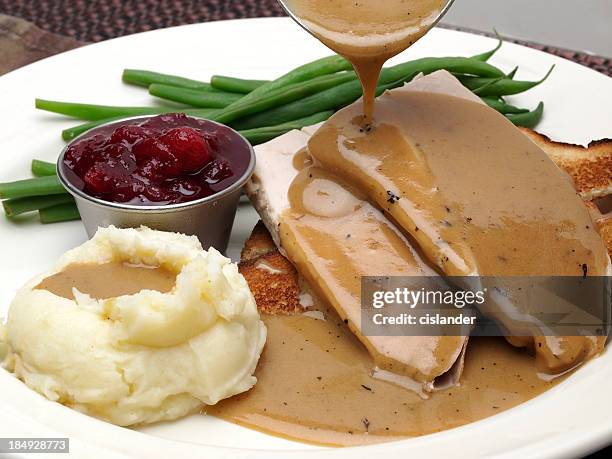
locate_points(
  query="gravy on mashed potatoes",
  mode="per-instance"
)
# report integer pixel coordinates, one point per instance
(186, 336)
(108, 280)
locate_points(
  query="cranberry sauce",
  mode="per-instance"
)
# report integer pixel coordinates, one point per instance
(167, 159)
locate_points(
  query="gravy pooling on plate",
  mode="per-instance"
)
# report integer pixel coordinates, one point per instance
(314, 384)
(366, 32)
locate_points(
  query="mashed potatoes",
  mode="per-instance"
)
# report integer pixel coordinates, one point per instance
(141, 358)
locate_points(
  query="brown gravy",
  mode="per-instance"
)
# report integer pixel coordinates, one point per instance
(108, 280)
(483, 196)
(367, 33)
(314, 384)
(475, 193)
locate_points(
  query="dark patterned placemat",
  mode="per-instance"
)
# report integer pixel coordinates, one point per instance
(97, 20)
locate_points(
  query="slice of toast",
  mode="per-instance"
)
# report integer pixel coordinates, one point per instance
(590, 168)
(271, 277)
(605, 229)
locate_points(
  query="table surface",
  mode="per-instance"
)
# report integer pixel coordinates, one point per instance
(583, 25)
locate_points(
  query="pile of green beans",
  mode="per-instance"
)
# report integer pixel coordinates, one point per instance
(259, 109)
(146, 78)
(43, 194)
(194, 97)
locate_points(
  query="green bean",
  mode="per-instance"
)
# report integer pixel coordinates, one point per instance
(503, 87)
(40, 186)
(427, 65)
(18, 206)
(484, 87)
(60, 213)
(382, 87)
(330, 99)
(472, 82)
(501, 106)
(43, 168)
(146, 78)
(257, 136)
(324, 66)
(529, 119)
(487, 55)
(91, 112)
(283, 96)
(261, 135)
(239, 85)
(194, 97)
(346, 93)
(511, 75)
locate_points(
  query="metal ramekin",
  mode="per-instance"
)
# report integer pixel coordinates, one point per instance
(210, 218)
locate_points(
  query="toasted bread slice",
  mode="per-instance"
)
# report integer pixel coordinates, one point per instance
(591, 171)
(271, 277)
(590, 167)
(605, 229)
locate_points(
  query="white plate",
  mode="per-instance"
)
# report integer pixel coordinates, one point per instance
(571, 419)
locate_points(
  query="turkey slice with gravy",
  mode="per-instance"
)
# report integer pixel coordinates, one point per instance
(476, 194)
